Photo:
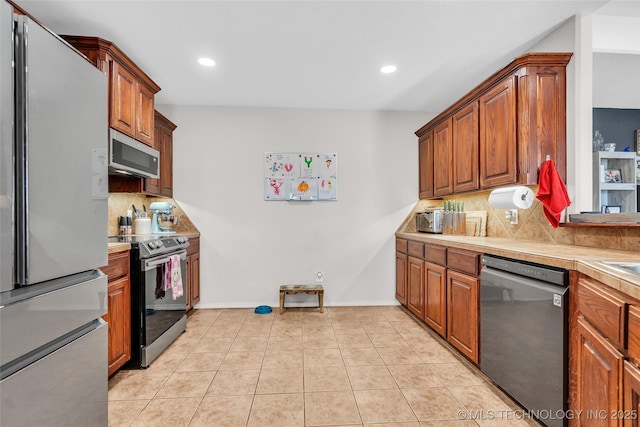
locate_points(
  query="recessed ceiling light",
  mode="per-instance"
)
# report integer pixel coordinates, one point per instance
(388, 69)
(207, 62)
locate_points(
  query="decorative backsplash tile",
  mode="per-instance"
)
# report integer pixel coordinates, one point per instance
(534, 226)
(120, 203)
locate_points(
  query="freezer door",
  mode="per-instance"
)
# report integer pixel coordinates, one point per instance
(34, 316)
(64, 219)
(67, 387)
(6, 147)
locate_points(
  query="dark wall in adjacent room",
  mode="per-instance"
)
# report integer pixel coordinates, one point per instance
(617, 125)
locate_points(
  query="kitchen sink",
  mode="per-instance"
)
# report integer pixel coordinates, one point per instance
(625, 267)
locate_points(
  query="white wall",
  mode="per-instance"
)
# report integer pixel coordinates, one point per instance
(250, 246)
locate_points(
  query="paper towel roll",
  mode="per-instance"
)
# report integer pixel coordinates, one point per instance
(519, 197)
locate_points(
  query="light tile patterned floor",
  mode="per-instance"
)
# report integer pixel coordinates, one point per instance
(348, 366)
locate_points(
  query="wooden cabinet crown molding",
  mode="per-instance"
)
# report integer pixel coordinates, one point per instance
(105, 49)
(537, 59)
(161, 119)
(500, 132)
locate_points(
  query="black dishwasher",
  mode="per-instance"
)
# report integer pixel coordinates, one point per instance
(524, 334)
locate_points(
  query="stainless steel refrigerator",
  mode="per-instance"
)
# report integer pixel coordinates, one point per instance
(53, 230)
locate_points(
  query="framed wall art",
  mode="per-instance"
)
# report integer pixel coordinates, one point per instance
(300, 176)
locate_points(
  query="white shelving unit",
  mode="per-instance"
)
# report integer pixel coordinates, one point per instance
(621, 193)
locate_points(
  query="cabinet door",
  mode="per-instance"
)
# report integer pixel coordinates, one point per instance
(435, 307)
(599, 370)
(187, 282)
(195, 278)
(425, 165)
(465, 149)
(144, 114)
(123, 100)
(442, 159)
(192, 281)
(415, 287)
(462, 313)
(118, 317)
(498, 135)
(152, 186)
(401, 278)
(166, 165)
(631, 397)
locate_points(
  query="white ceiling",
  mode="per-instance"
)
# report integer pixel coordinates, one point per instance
(317, 54)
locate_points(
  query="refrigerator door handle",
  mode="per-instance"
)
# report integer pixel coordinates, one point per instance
(21, 150)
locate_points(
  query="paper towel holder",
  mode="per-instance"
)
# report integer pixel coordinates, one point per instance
(511, 199)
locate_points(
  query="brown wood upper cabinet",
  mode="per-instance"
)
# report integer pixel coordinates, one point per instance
(442, 159)
(465, 149)
(163, 142)
(131, 91)
(425, 157)
(498, 135)
(500, 132)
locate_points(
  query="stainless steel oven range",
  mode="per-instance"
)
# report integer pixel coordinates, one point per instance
(158, 311)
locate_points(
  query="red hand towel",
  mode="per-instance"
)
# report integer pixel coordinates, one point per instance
(552, 192)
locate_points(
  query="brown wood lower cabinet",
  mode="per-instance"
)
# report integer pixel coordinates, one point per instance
(435, 306)
(401, 277)
(604, 350)
(415, 286)
(193, 273)
(118, 315)
(442, 289)
(598, 370)
(631, 394)
(463, 292)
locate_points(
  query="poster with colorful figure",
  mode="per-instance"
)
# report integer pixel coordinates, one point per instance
(276, 188)
(327, 188)
(309, 163)
(328, 166)
(281, 165)
(304, 189)
(300, 176)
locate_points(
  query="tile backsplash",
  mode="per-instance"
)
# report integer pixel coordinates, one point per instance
(119, 203)
(534, 226)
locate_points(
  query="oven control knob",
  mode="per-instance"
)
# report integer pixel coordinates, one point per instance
(151, 245)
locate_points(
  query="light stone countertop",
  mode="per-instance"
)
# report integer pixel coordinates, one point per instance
(580, 258)
(118, 247)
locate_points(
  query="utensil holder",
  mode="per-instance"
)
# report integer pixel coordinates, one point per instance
(454, 223)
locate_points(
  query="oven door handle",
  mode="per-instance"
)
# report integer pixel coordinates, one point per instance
(152, 263)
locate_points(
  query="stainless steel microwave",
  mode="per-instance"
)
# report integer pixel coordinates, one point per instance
(133, 158)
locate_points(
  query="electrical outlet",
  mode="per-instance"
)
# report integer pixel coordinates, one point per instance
(512, 216)
(319, 276)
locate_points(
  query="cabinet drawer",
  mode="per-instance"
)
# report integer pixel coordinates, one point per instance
(604, 310)
(463, 261)
(118, 265)
(435, 254)
(401, 245)
(194, 246)
(416, 249)
(633, 333)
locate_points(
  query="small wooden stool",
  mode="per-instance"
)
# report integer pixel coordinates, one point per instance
(296, 289)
